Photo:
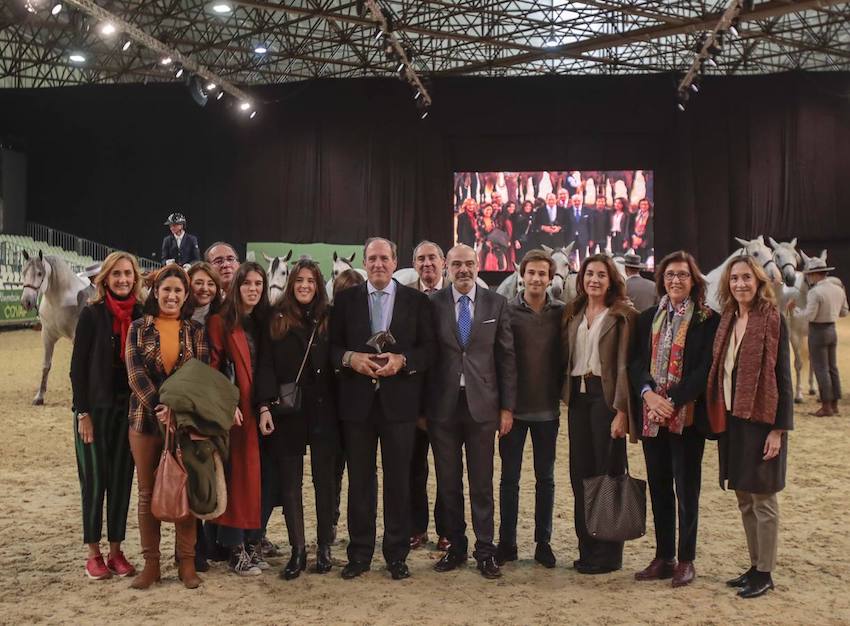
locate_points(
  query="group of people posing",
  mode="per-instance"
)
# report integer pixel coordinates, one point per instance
(501, 234)
(441, 363)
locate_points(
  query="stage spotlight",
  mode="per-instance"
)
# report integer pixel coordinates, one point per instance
(178, 73)
(733, 27)
(210, 86)
(253, 115)
(694, 88)
(711, 62)
(222, 8)
(424, 114)
(107, 29)
(126, 46)
(400, 67)
(165, 61)
(196, 90)
(220, 95)
(261, 49)
(418, 94)
(57, 8)
(77, 57)
(244, 106)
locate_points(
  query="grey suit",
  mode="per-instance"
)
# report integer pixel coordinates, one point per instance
(642, 292)
(468, 417)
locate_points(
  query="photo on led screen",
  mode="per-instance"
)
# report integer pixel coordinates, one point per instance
(502, 215)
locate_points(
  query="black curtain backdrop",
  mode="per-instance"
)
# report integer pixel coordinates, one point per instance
(339, 161)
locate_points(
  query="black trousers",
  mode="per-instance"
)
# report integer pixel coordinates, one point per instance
(448, 439)
(419, 513)
(823, 342)
(589, 422)
(675, 460)
(361, 442)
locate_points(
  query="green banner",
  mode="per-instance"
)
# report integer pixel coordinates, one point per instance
(322, 253)
(11, 309)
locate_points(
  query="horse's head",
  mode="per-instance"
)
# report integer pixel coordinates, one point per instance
(787, 259)
(36, 276)
(278, 274)
(763, 255)
(561, 257)
(340, 264)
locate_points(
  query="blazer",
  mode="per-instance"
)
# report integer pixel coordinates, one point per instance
(579, 229)
(146, 372)
(696, 363)
(562, 219)
(188, 252)
(642, 292)
(413, 330)
(93, 357)
(488, 363)
(615, 339)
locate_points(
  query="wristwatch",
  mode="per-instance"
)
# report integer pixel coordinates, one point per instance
(346, 358)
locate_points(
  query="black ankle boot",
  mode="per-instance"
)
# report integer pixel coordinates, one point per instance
(323, 559)
(297, 564)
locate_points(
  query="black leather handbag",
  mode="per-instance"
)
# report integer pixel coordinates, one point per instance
(289, 394)
(615, 506)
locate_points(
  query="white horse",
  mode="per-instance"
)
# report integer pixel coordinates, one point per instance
(340, 265)
(63, 296)
(755, 248)
(278, 275)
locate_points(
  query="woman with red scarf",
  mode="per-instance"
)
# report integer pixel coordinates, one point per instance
(101, 405)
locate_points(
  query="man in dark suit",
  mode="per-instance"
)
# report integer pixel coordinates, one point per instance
(579, 226)
(600, 225)
(379, 400)
(179, 246)
(550, 224)
(471, 396)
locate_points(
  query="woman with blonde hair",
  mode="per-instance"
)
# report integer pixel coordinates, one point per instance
(596, 333)
(101, 401)
(750, 401)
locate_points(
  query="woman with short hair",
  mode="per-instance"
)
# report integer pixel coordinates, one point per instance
(101, 402)
(157, 345)
(750, 402)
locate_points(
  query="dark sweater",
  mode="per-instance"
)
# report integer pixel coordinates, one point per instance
(539, 359)
(97, 373)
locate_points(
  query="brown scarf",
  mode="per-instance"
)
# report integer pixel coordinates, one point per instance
(755, 395)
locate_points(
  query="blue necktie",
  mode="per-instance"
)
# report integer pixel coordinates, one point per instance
(377, 311)
(464, 321)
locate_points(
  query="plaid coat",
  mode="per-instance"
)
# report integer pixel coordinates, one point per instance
(146, 372)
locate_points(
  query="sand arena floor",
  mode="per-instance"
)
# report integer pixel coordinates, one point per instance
(42, 557)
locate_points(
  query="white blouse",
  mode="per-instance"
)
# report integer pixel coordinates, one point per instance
(585, 353)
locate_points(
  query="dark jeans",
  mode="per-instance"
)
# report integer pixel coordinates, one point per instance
(675, 460)
(419, 512)
(543, 439)
(361, 444)
(449, 439)
(589, 422)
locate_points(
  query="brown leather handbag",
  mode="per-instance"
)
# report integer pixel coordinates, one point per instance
(170, 501)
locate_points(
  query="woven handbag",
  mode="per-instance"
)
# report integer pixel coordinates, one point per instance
(615, 506)
(170, 500)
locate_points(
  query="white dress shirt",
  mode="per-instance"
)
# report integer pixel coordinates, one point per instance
(585, 357)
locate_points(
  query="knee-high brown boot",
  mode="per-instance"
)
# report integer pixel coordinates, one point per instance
(146, 450)
(185, 532)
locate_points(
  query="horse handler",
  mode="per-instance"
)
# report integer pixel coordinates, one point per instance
(827, 301)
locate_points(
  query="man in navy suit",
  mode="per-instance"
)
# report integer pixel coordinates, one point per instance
(179, 246)
(550, 223)
(579, 226)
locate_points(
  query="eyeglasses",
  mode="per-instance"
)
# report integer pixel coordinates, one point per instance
(680, 276)
(221, 260)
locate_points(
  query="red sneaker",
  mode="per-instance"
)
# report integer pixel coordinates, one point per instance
(120, 566)
(96, 569)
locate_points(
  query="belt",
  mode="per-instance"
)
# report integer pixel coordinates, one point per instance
(822, 323)
(587, 380)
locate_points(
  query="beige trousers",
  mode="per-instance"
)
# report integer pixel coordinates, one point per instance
(760, 514)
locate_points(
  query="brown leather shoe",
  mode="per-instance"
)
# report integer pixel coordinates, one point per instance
(684, 574)
(834, 407)
(659, 569)
(444, 544)
(825, 410)
(418, 540)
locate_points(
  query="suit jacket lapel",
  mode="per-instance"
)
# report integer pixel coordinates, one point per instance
(361, 311)
(608, 323)
(399, 308)
(479, 315)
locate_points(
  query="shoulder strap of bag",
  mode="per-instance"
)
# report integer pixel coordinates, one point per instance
(306, 354)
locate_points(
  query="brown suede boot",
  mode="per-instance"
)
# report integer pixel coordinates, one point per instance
(825, 410)
(148, 576)
(185, 536)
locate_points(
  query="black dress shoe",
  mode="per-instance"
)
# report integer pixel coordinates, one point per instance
(489, 568)
(757, 585)
(741, 581)
(297, 564)
(505, 553)
(591, 570)
(201, 564)
(449, 561)
(398, 570)
(323, 559)
(543, 554)
(353, 569)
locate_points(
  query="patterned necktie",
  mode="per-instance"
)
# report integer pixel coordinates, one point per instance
(377, 311)
(464, 321)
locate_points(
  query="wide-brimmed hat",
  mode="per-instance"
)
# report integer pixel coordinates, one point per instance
(815, 265)
(633, 261)
(175, 218)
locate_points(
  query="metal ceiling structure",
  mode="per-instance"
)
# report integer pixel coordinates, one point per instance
(306, 39)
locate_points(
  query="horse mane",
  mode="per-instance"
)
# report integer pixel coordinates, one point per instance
(62, 277)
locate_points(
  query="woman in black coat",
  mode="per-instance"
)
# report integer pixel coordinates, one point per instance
(101, 404)
(668, 373)
(302, 312)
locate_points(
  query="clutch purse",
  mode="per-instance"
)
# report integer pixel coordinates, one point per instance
(289, 394)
